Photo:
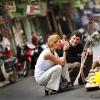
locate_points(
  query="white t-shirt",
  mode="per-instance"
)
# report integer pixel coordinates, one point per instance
(43, 65)
(4, 43)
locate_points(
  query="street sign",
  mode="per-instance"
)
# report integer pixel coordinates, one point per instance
(33, 10)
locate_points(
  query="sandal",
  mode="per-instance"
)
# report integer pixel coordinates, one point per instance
(50, 91)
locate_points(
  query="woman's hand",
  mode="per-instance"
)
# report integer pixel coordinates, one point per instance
(66, 45)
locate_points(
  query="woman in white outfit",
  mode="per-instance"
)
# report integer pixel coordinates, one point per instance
(49, 67)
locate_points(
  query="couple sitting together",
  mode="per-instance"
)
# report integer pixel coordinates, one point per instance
(50, 69)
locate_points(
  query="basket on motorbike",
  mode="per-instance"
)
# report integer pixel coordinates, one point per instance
(9, 64)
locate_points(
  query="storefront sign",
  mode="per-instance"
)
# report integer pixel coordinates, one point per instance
(33, 10)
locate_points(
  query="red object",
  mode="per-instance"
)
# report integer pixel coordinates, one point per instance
(7, 53)
(32, 8)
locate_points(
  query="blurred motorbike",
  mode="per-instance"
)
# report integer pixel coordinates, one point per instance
(7, 66)
(39, 48)
(24, 58)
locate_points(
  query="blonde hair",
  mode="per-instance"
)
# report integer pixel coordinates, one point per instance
(53, 39)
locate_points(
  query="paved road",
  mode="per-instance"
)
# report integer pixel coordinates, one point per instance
(27, 89)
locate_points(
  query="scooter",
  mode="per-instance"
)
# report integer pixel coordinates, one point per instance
(24, 58)
(8, 71)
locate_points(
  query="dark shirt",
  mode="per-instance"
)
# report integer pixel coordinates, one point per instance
(74, 54)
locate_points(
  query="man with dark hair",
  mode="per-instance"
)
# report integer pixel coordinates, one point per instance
(75, 47)
(74, 55)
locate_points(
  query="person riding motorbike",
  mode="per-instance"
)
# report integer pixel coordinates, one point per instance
(5, 61)
(5, 48)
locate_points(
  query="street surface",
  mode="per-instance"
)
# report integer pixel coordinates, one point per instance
(27, 89)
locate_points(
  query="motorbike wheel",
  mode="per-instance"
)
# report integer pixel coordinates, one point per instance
(27, 66)
(13, 77)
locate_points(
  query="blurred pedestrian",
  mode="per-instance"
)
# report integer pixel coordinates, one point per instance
(84, 20)
(35, 39)
(5, 46)
(92, 27)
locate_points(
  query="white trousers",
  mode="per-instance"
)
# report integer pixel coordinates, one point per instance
(51, 78)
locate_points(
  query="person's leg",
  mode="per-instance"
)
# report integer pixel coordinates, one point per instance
(65, 83)
(86, 68)
(73, 70)
(88, 65)
(65, 73)
(51, 78)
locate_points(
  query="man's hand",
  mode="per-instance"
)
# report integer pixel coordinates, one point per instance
(66, 45)
(87, 52)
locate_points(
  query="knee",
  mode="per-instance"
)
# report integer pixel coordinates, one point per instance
(77, 64)
(58, 68)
